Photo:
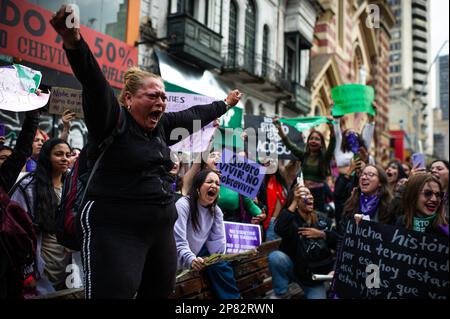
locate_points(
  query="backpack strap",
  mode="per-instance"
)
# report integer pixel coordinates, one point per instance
(19, 182)
(18, 186)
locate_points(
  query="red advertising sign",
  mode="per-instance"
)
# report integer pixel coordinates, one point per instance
(25, 32)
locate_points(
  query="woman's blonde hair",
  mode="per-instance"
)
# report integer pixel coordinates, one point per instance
(134, 79)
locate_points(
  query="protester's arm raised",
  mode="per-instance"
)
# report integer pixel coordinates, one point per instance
(12, 166)
(206, 113)
(100, 105)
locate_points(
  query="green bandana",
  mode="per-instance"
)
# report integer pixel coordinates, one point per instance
(421, 224)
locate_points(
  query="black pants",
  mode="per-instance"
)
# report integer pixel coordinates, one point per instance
(128, 250)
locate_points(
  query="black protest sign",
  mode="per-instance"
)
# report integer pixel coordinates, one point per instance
(272, 144)
(379, 261)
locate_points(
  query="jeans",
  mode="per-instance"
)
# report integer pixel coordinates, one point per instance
(270, 232)
(221, 277)
(282, 269)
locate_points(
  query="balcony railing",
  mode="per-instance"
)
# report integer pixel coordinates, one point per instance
(192, 41)
(302, 99)
(420, 55)
(256, 66)
(419, 12)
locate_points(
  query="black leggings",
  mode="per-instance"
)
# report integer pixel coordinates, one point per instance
(128, 250)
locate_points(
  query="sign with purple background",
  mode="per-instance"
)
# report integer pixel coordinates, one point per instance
(240, 174)
(241, 237)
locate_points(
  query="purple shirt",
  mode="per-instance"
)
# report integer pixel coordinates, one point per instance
(211, 232)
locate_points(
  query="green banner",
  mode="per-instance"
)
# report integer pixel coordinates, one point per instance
(228, 138)
(29, 79)
(232, 119)
(351, 98)
(305, 123)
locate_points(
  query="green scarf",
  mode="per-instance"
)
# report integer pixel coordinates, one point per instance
(422, 224)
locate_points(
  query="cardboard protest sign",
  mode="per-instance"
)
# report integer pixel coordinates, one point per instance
(241, 237)
(378, 261)
(65, 98)
(352, 98)
(305, 123)
(272, 142)
(18, 85)
(240, 174)
(180, 99)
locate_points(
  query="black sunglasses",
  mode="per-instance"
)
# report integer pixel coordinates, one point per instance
(429, 194)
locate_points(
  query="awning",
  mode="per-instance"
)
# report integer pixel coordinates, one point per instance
(191, 78)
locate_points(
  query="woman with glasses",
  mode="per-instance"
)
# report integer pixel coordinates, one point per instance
(371, 198)
(423, 205)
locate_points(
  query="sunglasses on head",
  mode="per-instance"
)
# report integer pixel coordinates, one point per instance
(428, 194)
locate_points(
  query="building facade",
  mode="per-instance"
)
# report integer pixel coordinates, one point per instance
(261, 47)
(409, 69)
(348, 48)
(440, 113)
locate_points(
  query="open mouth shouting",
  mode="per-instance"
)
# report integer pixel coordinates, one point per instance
(212, 194)
(155, 116)
(431, 207)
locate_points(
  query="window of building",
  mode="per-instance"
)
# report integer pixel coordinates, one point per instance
(304, 66)
(396, 35)
(232, 34)
(265, 52)
(395, 46)
(290, 63)
(105, 16)
(262, 110)
(250, 31)
(249, 108)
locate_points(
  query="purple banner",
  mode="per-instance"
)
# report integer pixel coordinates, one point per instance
(240, 174)
(241, 237)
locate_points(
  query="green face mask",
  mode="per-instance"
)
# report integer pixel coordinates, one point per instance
(422, 224)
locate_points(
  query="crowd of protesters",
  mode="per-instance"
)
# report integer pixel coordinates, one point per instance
(149, 214)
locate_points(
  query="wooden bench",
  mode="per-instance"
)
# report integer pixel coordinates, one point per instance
(252, 274)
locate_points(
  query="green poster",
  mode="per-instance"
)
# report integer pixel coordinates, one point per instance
(232, 119)
(304, 123)
(351, 98)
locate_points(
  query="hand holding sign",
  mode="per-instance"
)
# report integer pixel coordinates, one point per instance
(69, 32)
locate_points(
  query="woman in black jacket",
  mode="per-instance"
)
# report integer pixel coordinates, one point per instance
(11, 278)
(127, 223)
(305, 249)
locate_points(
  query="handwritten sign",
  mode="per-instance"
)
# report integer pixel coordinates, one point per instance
(16, 97)
(241, 237)
(64, 98)
(379, 261)
(352, 98)
(272, 144)
(240, 174)
(180, 99)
